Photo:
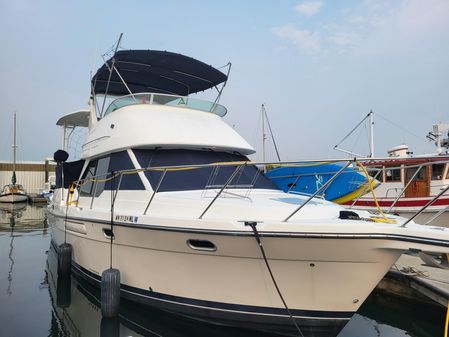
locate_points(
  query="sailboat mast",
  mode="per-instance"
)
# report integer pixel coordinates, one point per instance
(263, 134)
(371, 123)
(13, 180)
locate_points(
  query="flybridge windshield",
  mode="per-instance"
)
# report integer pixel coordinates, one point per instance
(199, 178)
(167, 100)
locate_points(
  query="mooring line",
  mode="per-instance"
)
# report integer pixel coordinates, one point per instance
(262, 250)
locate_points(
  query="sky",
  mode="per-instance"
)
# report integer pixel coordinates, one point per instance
(318, 66)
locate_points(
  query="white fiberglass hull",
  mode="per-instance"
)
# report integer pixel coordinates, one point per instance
(324, 278)
(13, 198)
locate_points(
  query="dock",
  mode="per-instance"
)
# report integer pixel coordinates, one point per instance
(37, 199)
(414, 279)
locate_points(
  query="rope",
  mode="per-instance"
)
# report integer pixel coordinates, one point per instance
(383, 217)
(447, 321)
(262, 250)
(112, 221)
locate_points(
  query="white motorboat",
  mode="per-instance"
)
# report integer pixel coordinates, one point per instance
(164, 193)
(13, 192)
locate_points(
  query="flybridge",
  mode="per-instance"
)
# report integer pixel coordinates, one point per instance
(134, 72)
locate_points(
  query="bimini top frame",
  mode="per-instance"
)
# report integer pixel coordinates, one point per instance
(155, 71)
(161, 72)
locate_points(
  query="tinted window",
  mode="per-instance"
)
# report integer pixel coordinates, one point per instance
(437, 171)
(121, 161)
(199, 178)
(101, 169)
(412, 170)
(392, 174)
(87, 187)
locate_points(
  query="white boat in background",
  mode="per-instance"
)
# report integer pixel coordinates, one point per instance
(409, 182)
(164, 192)
(13, 192)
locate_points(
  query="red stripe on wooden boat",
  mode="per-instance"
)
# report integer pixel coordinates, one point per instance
(400, 203)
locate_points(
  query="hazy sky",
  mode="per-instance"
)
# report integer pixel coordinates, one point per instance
(318, 66)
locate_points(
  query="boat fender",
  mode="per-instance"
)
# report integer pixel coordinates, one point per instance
(60, 156)
(110, 327)
(110, 292)
(63, 292)
(349, 215)
(64, 259)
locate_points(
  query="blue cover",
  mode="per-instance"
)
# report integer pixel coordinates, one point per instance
(312, 177)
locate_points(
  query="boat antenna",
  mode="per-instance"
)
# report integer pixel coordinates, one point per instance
(264, 114)
(110, 74)
(369, 115)
(14, 147)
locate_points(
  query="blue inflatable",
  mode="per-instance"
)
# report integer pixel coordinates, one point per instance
(308, 178)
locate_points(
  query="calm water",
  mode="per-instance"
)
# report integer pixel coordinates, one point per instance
(33, 304)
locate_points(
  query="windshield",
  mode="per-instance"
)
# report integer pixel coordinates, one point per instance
(167, 100)
(199, 178)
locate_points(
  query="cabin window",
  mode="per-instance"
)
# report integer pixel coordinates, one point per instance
(437, 171)
(199, 178)
(87, 186)
(392, 175)
(121, 161)
(374, 172)
(421, 176)
(101, 169)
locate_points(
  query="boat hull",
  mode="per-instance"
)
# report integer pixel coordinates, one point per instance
(13, 198)
(322, 281)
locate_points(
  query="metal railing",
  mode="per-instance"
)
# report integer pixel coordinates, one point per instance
(248, 187)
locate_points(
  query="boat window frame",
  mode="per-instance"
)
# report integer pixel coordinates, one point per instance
(138, 184)
(392, 168)
(442, 175)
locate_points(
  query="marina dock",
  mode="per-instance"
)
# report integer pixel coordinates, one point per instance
(33, 175)
(411, 278)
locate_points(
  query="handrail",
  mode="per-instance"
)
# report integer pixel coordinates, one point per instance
(238, 168)
(319, 190)
(155, 190)
(441, 211)
(357, 199)
(404, 189)
(425, 206)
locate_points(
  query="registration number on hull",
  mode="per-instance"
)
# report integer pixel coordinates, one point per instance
(126, 218)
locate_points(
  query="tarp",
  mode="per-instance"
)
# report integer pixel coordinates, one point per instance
(155, 71)
(72, 171)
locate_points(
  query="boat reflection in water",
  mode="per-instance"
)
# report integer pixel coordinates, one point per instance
(17, 218)
(76, 312)
(21, 216)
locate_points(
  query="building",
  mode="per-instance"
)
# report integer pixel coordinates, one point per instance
(32, 175)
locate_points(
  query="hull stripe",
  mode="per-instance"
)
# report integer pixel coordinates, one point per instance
(400, 203)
